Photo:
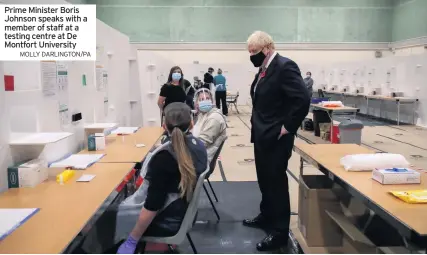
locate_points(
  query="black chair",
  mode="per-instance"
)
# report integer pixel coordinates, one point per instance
(321, 94)
(232, 100)
(212, 166)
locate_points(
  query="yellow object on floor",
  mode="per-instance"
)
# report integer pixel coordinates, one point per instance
(64, 176)
(412, 197)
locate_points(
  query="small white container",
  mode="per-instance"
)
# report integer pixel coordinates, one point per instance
(396, 176)
(100, 141)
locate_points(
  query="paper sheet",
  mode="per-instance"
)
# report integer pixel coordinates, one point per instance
(48, 77)
(78, 161)
(11, 219)
(125, 130)
(86, 178)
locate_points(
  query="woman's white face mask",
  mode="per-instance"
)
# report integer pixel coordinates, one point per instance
(204, 102)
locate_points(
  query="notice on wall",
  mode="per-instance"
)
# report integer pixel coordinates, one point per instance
(48, 78)
(100, 81)
(62, 84)
(48, 32)
(64, 115)
(62, 76)
(99, 52)
(106, 106)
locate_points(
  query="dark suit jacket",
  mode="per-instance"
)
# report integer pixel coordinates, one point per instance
(281, 99)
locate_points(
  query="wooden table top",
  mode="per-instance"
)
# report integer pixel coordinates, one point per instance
(64, 209)
(329, 155)
(336, 109)
(122, 149)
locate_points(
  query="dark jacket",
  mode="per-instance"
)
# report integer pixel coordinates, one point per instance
(281, 99)
(208, 78)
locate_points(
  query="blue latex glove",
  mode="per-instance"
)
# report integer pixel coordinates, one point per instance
(128, 247)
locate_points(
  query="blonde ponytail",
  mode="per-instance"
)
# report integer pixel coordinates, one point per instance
(185, 164)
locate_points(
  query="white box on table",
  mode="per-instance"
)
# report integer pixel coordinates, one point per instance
(396, 176)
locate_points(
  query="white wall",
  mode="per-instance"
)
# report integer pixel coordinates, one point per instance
(332, 67)
(153, 73)
(27, 110)
(239, 70)
(398, 73)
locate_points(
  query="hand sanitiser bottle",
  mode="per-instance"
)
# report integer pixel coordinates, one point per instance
(64, 176)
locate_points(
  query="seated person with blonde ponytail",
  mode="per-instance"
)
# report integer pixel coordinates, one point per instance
(170, 174)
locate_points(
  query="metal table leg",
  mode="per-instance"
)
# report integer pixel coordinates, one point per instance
(398, 112)
(413, 112)
(301, 166)
(367, 106)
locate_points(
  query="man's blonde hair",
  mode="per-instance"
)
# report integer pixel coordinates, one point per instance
(260, 39)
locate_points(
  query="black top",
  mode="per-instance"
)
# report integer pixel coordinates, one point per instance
(208, 78)
(280, 99)
(172, 93)
(164, 177)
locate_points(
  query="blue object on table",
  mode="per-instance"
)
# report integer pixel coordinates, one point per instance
(91, 144)
(397, 170)
(316, 100)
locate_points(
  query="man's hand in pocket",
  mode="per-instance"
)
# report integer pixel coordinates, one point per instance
(283, 132)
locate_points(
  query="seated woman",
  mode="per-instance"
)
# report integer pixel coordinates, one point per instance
(211, 125)
(158, 207)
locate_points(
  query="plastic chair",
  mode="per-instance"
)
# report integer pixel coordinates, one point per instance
(187, 223)
(212, 166)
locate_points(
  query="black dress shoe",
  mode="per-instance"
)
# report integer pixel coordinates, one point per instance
(273, 242)
(257, 222)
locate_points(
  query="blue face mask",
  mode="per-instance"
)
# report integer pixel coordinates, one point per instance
(176, 76)
(205, 105)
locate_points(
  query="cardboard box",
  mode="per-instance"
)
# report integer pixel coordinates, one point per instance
(315, 197)
(396, 176)
(28, 174)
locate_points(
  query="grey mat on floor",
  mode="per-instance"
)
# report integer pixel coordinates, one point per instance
(237, 201)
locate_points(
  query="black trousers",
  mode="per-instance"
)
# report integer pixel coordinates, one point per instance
(271, 165)
(221, 98)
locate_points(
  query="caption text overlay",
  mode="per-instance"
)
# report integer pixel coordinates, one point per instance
(48, 32)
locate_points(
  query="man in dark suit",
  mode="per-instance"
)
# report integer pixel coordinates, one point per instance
(280, 102)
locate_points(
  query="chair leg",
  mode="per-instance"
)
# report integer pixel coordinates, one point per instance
(210, 200)
(140, 248)
(213, 192)
(191, 243)
(235, 106)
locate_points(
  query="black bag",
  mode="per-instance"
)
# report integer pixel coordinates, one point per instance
(308, 125)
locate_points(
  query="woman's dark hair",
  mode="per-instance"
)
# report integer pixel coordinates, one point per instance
(173, 69)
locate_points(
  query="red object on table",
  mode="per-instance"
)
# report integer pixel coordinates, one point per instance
(9, 83)
(335, 134)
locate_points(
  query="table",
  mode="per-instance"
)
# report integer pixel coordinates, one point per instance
(64, 209)
(333, 110)
(122, 149)
(398, 100)
(408, 219)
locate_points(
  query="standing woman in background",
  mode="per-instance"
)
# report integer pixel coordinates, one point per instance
(173, 90)
(221, 92)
